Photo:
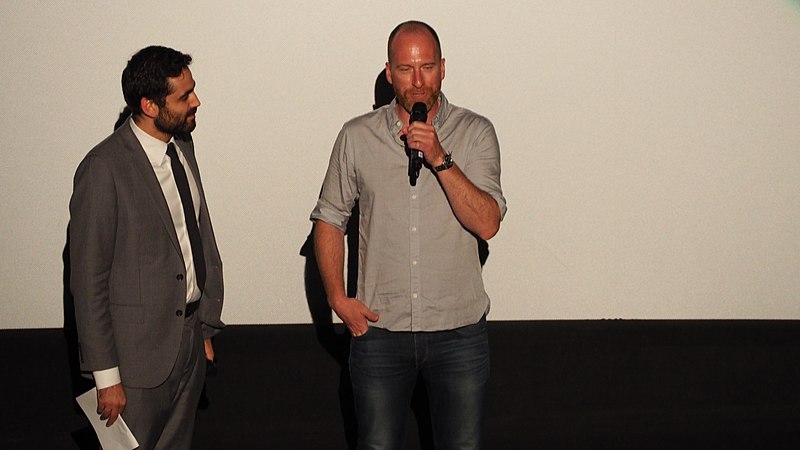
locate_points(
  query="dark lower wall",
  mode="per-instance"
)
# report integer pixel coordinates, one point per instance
(555, 385)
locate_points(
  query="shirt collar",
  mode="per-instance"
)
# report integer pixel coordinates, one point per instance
(155, 149)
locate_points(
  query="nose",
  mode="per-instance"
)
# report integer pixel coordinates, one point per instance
(195, 100)
(417, 79)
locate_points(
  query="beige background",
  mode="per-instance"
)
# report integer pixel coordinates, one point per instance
(650, 149)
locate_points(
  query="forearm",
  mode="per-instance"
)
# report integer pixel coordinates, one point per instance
(476, 210)
(329, 252)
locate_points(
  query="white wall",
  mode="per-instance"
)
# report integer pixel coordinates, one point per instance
(650, 149)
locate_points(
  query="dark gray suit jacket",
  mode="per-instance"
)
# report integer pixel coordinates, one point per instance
(127, 270)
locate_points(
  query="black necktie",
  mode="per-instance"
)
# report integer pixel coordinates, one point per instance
(188, 214)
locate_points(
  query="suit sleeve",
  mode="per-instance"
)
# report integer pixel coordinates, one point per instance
(92, 233)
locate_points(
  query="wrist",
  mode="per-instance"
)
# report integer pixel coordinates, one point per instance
(446, 163)
(337, 300)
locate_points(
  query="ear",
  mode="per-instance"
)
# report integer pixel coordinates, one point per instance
(442, 68)
(388, 74)
(149, 107)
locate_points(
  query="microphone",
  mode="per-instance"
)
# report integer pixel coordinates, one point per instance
(419, 113)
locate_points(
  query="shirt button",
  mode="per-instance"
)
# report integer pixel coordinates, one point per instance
(414, 229)
(413, 196)
(413, 263)
(414, 295)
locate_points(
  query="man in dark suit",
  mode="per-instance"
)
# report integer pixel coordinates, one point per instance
(146, 273)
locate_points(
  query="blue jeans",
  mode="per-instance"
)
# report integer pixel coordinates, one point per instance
(454, 364)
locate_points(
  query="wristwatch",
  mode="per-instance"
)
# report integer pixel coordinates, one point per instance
(448, 163)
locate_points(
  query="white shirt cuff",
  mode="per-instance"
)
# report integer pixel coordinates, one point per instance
(106, 378)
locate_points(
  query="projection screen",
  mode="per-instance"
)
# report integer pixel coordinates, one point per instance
(649, 148)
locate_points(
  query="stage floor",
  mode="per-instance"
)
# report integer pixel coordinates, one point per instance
(554, 385)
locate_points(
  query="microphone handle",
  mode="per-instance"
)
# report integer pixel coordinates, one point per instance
(414, 165)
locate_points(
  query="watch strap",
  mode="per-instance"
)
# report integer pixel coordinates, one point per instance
(448, 163)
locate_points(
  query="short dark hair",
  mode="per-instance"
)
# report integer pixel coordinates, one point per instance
(412, 26)
(147, 72)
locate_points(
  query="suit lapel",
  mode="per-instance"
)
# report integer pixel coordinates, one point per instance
(149, 181)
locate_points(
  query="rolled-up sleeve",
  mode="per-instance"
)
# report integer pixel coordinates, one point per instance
(339, 189)
(483, 164)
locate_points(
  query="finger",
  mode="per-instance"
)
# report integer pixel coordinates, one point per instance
(112, 419)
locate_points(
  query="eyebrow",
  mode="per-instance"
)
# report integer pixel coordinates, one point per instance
(426, 64)
(189, 91)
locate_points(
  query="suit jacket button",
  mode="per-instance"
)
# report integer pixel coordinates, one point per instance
(180, 277)
(179, 313)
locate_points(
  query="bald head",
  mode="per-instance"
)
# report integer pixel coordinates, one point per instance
(414, 26)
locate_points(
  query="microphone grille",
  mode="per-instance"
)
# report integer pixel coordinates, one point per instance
(419, 112)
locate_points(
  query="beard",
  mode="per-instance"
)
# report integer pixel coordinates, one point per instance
(174, 124)
(407, 100)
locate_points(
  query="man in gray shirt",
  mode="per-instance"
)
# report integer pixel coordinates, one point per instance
(421, 304)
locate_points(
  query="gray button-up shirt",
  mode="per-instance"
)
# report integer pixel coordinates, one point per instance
(418, 267)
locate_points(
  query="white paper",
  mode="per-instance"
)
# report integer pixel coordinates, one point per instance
(116, 437)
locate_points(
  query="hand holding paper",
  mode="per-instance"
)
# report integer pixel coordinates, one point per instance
(111, 403)
(112, 436)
